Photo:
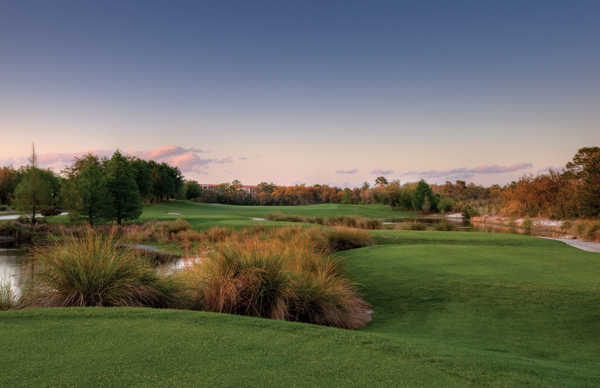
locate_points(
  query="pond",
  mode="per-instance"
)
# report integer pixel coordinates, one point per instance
(13, 269)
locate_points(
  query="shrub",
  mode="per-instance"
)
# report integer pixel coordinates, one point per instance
(93, 271)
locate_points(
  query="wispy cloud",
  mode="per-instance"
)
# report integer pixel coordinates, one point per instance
(350, 172)
(382, 172)
(465, 172)
(188, 159)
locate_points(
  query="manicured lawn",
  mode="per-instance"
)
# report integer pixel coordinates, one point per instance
(450, 309)
(205, 215)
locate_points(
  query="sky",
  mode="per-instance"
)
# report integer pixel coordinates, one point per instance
(330, 92)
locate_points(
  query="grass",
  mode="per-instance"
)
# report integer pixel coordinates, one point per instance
(450, 309)
(92, 270)
(204, 216)
(281, 275)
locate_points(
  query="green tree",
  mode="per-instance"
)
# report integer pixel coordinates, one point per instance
(143, 176)
(585, 166)
(192, 190)
(9, 178)
(95, 198)
(125, 195)
(423, 198)
(34, 193)
(346, 196)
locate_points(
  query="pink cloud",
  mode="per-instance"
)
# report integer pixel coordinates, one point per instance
(186, 158)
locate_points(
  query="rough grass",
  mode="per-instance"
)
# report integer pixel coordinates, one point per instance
(278, 279)
(91, 270)
(7, 298)
(342, 220)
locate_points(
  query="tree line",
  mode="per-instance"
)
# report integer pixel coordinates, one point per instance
(91, 188)
(571, 192)
(99, 189)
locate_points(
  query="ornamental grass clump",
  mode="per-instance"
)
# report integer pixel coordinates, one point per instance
(278, 279)
(8, 299)
(93, 270)
(339, 239)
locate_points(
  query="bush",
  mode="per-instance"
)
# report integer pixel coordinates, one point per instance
(93, 271)
(3, 208)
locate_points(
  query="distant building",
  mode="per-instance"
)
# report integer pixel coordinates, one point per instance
(252, 190)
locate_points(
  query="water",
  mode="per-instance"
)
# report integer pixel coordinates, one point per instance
(13, 269)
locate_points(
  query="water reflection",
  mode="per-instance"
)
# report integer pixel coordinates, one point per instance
(13, 269)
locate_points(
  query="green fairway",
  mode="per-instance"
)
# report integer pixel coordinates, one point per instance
(450, 309)
(206, 215)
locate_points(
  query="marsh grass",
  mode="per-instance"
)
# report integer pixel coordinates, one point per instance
(345, 221)
(92, 270)
(8, 299)
(282, 277)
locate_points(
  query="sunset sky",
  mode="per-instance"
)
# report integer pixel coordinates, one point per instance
(333, 92)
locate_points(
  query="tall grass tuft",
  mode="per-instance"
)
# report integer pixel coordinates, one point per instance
(8, 299)
(91, 270)
(340, 239)
(276, 278)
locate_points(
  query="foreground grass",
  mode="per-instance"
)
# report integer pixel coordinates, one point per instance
(205, 215)
(450, 309)
(134, 347)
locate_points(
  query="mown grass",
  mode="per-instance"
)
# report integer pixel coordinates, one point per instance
(204, 215)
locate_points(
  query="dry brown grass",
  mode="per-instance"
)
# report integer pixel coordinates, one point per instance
(283, 276)
(91, 270)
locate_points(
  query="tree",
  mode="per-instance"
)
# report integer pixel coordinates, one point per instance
(125, 195)
(381, 181)
(35, 191)
(423, 198)
(192, 190)
(9, 178)
(346, 196)
(585, 166)
(143, 176)
(92, 187)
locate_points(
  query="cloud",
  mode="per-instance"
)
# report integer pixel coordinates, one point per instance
(382, 172)
(188, 159)
(243, 158)
(465, 173)
(353, 171)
